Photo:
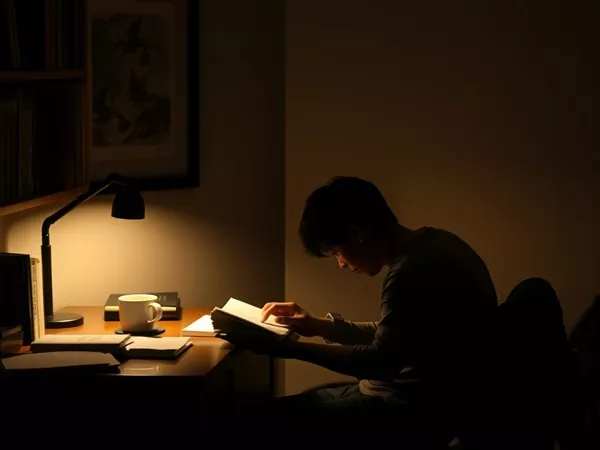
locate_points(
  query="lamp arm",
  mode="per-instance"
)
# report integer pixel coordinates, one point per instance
(82, 198)
(52, 320)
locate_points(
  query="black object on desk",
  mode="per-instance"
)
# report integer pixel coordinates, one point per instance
(127, 204)
(11, 339)
(154, 332)
(16, 301)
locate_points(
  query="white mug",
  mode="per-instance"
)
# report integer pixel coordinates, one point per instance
(139, 312)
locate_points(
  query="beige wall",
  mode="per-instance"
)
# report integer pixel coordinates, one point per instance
(460, 121)
(225, 238)
(466, 118)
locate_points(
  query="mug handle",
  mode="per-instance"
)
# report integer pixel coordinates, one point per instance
(157, 313)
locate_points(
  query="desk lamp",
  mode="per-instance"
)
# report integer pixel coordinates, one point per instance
(127, 204)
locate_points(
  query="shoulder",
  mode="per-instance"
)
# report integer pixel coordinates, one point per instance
(445, 250)
(439, 254)
(410, 270)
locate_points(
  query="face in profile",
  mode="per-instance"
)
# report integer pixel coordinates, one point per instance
(356, 257)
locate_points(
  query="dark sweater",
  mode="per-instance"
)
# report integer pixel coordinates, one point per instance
(438, 312)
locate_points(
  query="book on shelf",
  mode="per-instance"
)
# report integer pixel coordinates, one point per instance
(241, 318)
(43, 94)
(169, 302)
(41, 34)
(42, 142)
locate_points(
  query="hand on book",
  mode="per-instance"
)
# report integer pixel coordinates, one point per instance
(297, 318)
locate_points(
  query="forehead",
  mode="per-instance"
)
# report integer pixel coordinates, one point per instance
(330, 250)
(334, 250)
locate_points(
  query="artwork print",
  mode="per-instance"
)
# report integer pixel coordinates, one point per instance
(131, 85)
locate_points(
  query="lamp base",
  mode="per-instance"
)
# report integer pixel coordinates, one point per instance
(63, 320)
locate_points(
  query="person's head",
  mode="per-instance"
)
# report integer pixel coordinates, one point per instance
(348, 218)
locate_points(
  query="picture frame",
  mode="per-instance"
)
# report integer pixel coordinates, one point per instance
(144, 92)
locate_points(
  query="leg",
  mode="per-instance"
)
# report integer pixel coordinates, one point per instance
(342, 416)
(347, 416)
(307, 402)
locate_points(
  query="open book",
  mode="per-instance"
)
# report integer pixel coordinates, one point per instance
(237, 317)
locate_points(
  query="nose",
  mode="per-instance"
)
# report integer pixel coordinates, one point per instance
(341, 263)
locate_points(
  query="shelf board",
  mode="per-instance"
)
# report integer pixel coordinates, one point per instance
(63, 196)
(12, 76)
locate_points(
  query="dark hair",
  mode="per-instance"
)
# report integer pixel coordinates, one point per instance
(342, 202)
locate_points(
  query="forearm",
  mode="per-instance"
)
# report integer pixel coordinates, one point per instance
(348, 333)
(344, 359)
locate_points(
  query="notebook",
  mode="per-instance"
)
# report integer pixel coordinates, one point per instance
(240, 317)
(105, 343)
(59, 360)
(156, 347)
(203, 327)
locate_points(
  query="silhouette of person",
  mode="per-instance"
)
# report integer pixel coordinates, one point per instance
(424, 361)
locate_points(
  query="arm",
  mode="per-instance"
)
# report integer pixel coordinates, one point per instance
(350, 333)
(401, 334)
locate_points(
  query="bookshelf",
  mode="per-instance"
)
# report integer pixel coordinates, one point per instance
(44, 86)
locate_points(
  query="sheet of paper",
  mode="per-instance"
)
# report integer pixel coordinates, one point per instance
(249, 312)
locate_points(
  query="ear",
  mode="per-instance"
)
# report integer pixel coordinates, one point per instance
(355, 234)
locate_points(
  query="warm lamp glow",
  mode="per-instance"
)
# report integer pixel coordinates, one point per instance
(127, 204)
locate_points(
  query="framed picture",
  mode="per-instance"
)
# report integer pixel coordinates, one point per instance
(144, 92)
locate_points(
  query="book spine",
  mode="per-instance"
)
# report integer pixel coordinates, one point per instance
(39, 328)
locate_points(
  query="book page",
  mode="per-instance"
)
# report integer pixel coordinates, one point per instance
(253, 314)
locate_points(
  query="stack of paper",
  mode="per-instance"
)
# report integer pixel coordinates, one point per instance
(105, 343)
(203, 327)
(157, 347)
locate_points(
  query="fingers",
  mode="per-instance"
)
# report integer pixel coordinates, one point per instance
(286, 320)
(279, 309)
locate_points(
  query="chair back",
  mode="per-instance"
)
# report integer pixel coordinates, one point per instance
(532, 329)
(585, 342)
(533, 356)
(540, 369)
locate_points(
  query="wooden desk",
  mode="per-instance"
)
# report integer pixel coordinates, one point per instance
(200, 360)
(212, 374)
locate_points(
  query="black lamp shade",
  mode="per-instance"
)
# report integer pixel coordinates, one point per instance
(128, 204)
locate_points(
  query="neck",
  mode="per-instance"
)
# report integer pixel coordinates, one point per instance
(397, 244)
